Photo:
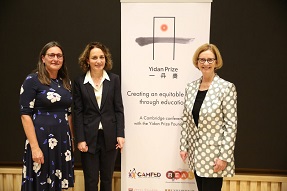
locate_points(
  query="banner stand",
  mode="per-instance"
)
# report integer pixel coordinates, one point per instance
(158, 39)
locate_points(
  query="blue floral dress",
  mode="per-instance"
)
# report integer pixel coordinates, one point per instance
(49, 107)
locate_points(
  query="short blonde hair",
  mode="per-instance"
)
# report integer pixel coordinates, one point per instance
(213, 49)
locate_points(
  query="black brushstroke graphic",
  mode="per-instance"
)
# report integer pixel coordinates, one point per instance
(142, 41)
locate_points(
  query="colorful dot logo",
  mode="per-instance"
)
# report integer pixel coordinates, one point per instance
(163, 27)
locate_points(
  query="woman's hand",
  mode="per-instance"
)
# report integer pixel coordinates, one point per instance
(37, 155)
(82, 146)
(219, 165)
(183, 155)
(121, 142)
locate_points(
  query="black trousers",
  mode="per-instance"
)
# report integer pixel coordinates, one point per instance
(208, 184)
(101, 164)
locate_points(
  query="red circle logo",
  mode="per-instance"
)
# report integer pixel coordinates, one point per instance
(164, 27)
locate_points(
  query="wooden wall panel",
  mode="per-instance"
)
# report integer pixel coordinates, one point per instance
(253, 186)
(243, 185)
(10, 180)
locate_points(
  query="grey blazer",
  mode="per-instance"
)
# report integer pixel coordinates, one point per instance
(217, 127)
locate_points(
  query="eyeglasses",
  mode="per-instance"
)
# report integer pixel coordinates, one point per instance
(203, 60)
(52, 56)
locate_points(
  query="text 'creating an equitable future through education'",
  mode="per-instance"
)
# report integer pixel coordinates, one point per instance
(158, 98)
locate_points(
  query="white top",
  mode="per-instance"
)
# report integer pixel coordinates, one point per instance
(97, 89)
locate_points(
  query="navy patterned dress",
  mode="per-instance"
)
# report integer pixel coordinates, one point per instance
(49, 107)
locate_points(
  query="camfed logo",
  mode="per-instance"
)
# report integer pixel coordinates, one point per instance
(183, 175)
(133, 174)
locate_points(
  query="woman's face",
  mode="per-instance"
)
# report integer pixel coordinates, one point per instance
(206, 62)
(96, 60)
(53, 59)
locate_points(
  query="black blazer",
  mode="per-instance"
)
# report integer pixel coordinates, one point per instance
(88, 115)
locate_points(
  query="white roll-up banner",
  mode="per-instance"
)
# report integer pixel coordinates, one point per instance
(157, 44)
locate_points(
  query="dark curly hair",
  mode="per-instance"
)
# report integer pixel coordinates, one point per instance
(86, 53)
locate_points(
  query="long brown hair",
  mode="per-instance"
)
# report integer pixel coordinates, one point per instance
(43, 74)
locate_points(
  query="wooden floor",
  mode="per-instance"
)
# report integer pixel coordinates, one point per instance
(10, 180)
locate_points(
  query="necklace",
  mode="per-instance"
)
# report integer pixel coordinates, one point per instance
(98, 81)
(56, 81)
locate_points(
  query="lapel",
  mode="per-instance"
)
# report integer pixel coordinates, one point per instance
(192, 93)
(91, 93)
(106, 86)
(211, 96)
(195, 88)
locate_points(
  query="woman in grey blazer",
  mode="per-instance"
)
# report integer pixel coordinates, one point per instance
(209, 122)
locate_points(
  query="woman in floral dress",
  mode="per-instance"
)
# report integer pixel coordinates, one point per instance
(45, 108)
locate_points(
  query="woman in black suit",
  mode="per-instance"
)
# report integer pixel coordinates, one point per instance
(99, 116)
